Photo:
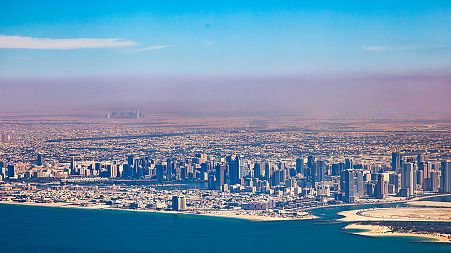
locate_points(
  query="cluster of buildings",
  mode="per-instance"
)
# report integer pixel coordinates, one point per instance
(228, 164)
(135, 114)
(406, 176)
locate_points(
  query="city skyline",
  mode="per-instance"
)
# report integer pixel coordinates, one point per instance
(207, 126)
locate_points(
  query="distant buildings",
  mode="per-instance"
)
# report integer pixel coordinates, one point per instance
(6, 137)
(135, 114)
(323, 178)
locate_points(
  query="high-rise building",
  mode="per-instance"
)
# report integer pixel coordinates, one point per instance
(178, 203)
(72, 164)
(39, 160)
(299, 166)
(433, 184)
(111, 170)
(395, 180)
(6, 137)
(258, 170)
(381, 187)
(235, 170)
(349, 188)
(407, 178)
(11, 171)
(348, 164)
(131, 160)
(2, 169)
(311, 168)
(220, 176)
(445, 185)
(419, 158)
(160, 172)
(320, 171)
(359, 190)
(395, 161)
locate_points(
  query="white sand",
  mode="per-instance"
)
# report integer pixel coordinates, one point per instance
(398, 214)
(376, 230)
(430, 203)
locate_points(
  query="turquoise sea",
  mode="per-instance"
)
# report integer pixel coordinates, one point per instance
(47, 229)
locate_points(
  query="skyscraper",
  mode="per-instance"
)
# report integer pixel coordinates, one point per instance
(11, 171)
(178, 203)
(381, 187)
(160, 172)
(39, 160)
(258, 170)
(235, 171)
(359, 191)
(299, 166)
(348, 164)
(407, 178)
(349, 186)
(445, 185)
(220, 176)
(395, 161)
(312, 169)
(320, 171)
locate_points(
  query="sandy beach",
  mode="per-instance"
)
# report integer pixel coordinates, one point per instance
(430, 203)
(376, 230)
(398, 214)
(246, 215)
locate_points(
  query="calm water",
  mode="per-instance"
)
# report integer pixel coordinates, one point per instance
(44, 229)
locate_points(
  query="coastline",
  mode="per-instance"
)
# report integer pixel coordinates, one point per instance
(429, 214)
(209, 213)
(381, 231)
(415, 211)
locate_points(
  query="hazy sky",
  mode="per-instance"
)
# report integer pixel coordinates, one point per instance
(239, 52)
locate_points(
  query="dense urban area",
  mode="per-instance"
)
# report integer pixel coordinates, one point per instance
(259, 166)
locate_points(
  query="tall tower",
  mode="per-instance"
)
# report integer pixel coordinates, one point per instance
(395, 161)
(381, 187)
(407, 178)
(235, 171)
(349, 186)
(220, 176)
(39, 160)
(299, 166)
(445, 185)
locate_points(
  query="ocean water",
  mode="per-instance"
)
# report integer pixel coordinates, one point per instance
(46, 229)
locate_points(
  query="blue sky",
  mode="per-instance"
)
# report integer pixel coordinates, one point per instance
(42, 38)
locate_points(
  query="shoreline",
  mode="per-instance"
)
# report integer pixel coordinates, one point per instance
(219, 214)
(415, 211)
(385, 231)
(427, 214)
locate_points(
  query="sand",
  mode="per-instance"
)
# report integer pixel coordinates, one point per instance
(376, 230)
(430, 203)
(398, 214)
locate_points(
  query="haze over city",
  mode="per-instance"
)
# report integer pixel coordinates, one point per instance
(354, 58)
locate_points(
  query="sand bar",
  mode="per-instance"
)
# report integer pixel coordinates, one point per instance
(398, 214)
(376, 230)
